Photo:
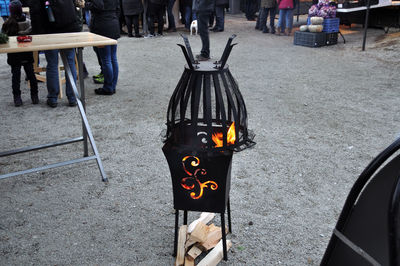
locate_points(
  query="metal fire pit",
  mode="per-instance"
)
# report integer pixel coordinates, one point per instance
(206, 123)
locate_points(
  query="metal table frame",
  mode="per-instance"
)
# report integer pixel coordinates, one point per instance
(86, 131)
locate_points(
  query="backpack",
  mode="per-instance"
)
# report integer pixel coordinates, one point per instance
(63, 11)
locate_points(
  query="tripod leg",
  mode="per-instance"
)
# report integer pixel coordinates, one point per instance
(185, 217)
(229, 216)
(224, 236)
(176, 232)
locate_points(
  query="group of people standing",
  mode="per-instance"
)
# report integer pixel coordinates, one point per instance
(268, 8)
(104, 21)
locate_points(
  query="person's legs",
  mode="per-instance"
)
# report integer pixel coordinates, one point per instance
(281, 21)
(16, 81)
(30, 74)
(135, 21)
(263, 20)
(150, 17)
(160, 18)
(70, 54)
(188, 17)
(171, 19)
(202, 23)
(100, 75)
(128, 20)
(219, 18)
(52, 79)
(114, 62)
(289, 20)
(272, 19)
(105, 55)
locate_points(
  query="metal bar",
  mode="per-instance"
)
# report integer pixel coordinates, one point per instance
(69, 77)
(186, 56)
(224, 236)
(54, 165)
(229, 215)
(356, 248)
(185, 213)
(176, 232)
(366, 24)
(188, 47)
(225, 54)
(82, 90)
(220, 100)
(39, 147)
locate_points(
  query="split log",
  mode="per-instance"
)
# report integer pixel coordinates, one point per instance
(205, 217)
(215, 255)
(180, 256)
(199, 233)
(194, 252)
(213, 237)
(189, 261)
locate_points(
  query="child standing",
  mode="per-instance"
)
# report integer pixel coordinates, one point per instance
(18, 24)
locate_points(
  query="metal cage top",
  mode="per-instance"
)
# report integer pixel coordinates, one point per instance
(207, 110)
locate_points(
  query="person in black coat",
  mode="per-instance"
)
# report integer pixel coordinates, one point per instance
(203, 10)
(132, 10)
(156, 10)
(65, 21)
(105, 22)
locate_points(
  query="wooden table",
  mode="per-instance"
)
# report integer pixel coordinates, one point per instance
(52, 42)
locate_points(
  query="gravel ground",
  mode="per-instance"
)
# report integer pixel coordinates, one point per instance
(320, 116)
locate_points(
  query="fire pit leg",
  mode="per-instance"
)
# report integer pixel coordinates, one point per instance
(229, 215)
(176, 232)
(185, 217)
(223, 236)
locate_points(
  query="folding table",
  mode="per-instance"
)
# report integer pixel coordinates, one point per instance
(62, 41)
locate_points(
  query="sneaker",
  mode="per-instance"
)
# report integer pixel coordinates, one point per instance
(17, 101)
(98, 75)
(266, 30)
(35, 99)
(101, 91)
(99, 80)
(149, 36)
(201, 57)
(51, 103)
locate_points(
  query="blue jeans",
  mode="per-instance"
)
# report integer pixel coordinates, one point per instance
(189, 16)
(219, 17)
(171, 19)
(52, 79)
(108, 55)
(264, 17)
(202, 23)
(285, 19)
(88, 17)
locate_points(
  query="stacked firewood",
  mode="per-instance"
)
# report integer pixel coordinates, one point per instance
(198, 237)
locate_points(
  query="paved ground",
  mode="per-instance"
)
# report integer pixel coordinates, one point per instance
(320, 115)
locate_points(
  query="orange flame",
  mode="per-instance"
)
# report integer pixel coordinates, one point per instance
(218, 137)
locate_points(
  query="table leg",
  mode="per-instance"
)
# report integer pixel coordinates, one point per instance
(82, 90)
(70, 79)
(366, 25)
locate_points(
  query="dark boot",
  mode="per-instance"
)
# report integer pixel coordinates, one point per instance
(17, 100)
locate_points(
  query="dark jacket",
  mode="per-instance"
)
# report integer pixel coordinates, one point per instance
(14, 26)
(268, 3)
(222, 2)
(105, 17)
(203, 6)
(42, 25)
(132, 7)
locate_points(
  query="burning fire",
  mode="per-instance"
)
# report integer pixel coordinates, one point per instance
(231, 137)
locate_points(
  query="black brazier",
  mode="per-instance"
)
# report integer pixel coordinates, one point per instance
(206, 123)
